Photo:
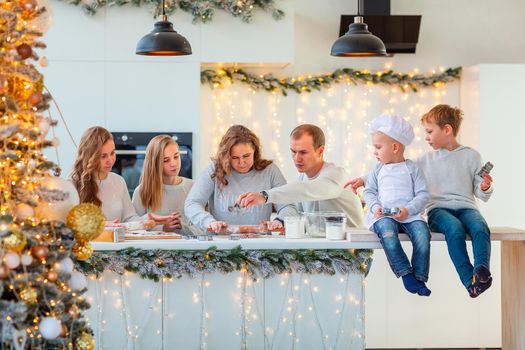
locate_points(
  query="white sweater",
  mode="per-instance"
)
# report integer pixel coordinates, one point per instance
(173, 197)
(323, 192)
(452, 178)
(114, 195)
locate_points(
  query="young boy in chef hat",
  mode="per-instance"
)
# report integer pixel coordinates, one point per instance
(396, 195)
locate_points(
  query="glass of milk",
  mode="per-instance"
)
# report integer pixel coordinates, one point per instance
(294, 226)
(335, 225)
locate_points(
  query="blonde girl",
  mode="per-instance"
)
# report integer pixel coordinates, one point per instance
(162, 192)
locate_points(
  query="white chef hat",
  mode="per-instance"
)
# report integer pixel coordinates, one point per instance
(393, 126)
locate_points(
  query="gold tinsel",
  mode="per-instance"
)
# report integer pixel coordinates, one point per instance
(87, 221)
(16, 241)
(29, 295)
(83, 250)
(85, 342)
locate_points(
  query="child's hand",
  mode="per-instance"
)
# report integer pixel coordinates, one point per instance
(403, 214)
(378, 213)
(355, 184)
(487, 182)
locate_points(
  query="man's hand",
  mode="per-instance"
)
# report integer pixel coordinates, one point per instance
(378, 213)
(403, 214)
(217, 226)
(487, 182)
(355, 184)
(249, 199)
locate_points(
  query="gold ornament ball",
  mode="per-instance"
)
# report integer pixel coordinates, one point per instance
(52, 276)
(29, 295)
(83, 250)
(24, 51)
(4, 271)
(40, 252)
(87, 221)
(85, 342)
(16, 241)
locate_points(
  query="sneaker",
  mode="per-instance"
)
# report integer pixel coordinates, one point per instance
(481, 274)
(478, 287)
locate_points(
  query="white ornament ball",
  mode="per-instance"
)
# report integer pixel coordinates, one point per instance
(57, 210)
(77, 281)
(12, 260)
(24, 211)
(50, 327)
(26, 259)
(66, 265)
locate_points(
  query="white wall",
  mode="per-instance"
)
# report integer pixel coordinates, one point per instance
(496, 94)
(97, 80)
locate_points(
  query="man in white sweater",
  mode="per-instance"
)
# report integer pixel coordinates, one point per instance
(320, 186)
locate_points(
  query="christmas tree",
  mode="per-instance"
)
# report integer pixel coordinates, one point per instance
(41, 300)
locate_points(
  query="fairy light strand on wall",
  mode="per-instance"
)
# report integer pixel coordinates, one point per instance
(342, 111)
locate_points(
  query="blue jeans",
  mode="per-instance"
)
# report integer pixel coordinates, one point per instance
(387, 230)
(456, 224)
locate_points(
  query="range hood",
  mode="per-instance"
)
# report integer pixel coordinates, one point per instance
(399, 33)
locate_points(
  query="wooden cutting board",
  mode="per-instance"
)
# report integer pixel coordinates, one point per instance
(147, 235)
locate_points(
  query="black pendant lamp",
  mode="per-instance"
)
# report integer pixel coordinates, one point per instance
(358, 41)
(163, 40)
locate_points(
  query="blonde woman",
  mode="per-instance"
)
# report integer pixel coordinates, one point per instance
(94, 180)
(238, 167)
(162, 191)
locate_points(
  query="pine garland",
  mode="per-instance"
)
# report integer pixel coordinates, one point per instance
(157, 264)
(405, 82)
(201, 10)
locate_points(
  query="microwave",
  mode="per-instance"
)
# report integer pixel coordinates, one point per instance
(130, 149)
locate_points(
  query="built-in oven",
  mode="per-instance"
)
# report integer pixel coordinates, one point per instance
(130, 148)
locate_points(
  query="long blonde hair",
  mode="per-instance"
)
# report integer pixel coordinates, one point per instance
(236, 134)
(151, 181)
(87, 164)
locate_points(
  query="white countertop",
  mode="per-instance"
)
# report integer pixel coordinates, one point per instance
(359, 239)
(225, 243)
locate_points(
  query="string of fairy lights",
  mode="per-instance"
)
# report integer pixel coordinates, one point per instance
(305, 307)
(342, 110)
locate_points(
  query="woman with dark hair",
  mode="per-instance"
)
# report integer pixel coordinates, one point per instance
(238, 167)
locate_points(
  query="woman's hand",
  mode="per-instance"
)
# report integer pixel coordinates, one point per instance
(217, 226)
(113, 223)
(169, 223)
(272, 225)
(378, 213)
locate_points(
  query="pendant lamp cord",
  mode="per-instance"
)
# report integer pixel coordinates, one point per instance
(358, 3)
(164, 17)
